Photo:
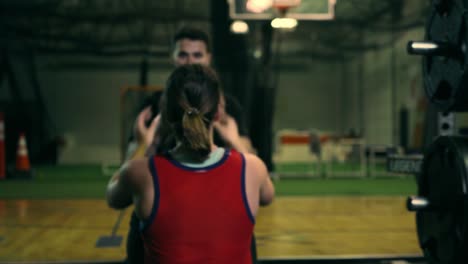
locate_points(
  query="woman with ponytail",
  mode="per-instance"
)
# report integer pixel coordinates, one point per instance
(197, 202)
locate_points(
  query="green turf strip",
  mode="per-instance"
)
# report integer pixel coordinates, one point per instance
(351, 187)
(58, 182)
(39, 190)
(88, 182)
(70, 173)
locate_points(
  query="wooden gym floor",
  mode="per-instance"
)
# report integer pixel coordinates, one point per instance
(291, 228)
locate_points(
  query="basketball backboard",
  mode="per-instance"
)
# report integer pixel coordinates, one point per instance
(264, 9)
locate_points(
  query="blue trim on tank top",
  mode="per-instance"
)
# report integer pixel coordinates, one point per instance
(152, 166)
(244, 191)
(208, 167)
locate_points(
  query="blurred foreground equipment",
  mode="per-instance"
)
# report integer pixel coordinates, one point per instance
(441, 205)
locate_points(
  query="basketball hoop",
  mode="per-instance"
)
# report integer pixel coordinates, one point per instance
(282, 6)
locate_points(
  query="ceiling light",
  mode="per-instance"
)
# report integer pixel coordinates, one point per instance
(286, 23)
(239, 27)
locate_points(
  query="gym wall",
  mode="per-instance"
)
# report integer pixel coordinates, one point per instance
(83, 97)
(334, 96)
(309, 97)
(368, 98)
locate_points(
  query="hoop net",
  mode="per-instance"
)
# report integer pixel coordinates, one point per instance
(283, 6)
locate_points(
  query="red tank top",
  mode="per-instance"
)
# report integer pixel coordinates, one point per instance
(200, 215)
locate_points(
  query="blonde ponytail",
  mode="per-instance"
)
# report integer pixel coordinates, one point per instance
(196, 133)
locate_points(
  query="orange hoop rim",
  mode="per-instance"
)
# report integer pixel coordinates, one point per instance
(284, 6)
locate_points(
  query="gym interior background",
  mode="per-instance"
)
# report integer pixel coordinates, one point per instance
(66, 67)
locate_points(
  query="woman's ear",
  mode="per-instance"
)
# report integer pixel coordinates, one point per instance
(219, 111)
(217, 116)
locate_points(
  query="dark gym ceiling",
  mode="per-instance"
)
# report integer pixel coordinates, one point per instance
(121, 27)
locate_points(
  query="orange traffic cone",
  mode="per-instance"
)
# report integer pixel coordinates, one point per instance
(23, 167)
(2, 148)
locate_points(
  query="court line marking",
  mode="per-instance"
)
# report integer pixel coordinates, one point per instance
(319, 196)
(65, 262)
(343, 257)
(313, 258)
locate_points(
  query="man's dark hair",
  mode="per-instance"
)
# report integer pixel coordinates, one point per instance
(193, 34)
